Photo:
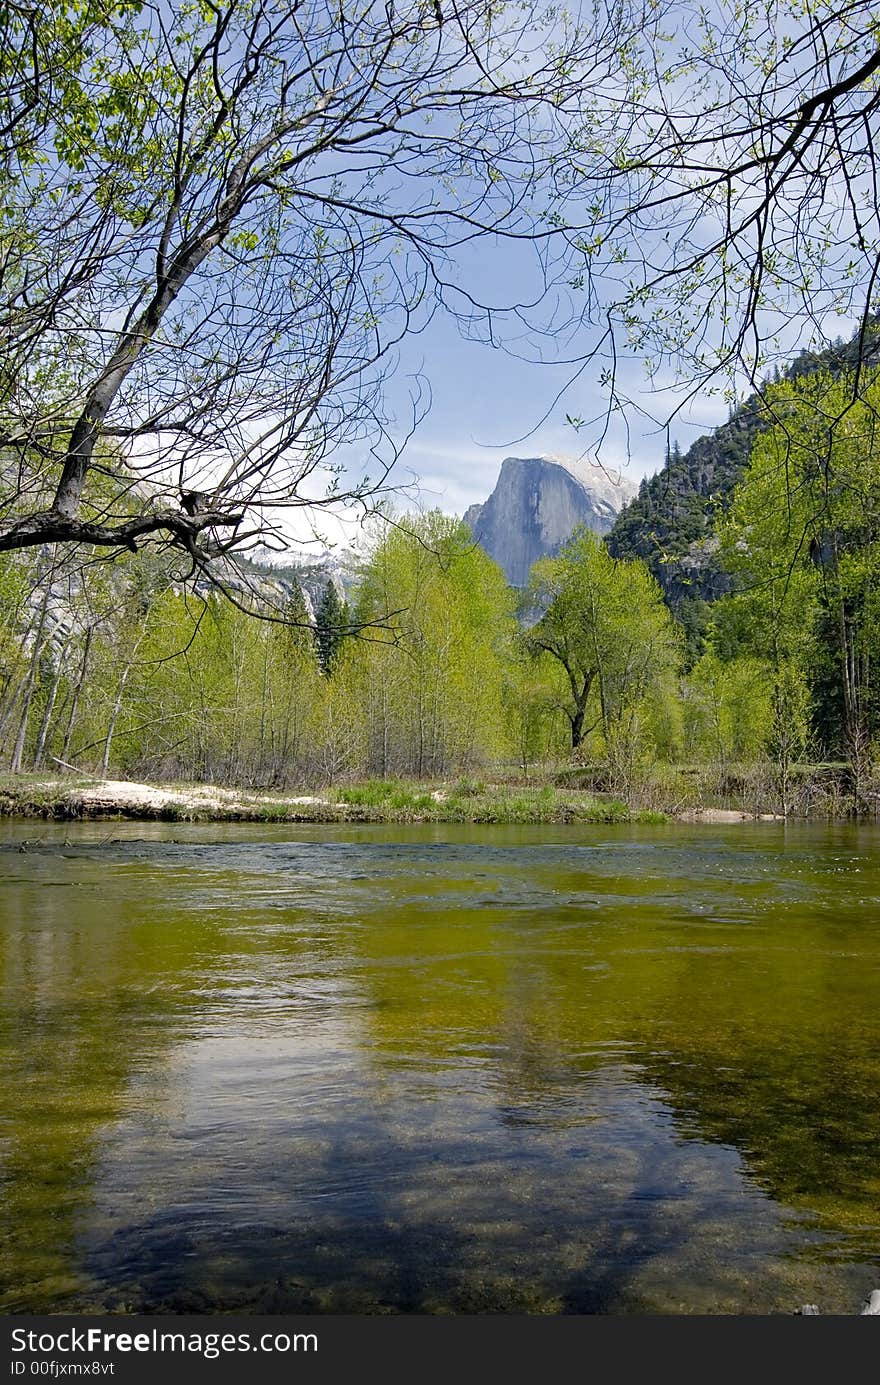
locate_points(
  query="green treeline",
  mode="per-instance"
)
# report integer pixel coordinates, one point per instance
(671, 522)
(436, 667)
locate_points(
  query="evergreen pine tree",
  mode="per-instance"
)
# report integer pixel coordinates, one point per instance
(299, 631)
(331, 627)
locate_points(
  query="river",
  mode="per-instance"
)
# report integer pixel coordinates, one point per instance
(439, 1069)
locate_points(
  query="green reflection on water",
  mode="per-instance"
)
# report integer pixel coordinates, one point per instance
(440, 1069)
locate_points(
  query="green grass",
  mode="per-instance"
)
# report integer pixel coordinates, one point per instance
(473, 801)
(35, 796)
(387, 794)
(467, 788)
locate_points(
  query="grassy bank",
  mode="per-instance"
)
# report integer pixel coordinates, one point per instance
(551, 794)
(462, 801)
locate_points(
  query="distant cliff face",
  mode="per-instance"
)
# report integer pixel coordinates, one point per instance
(279, 575)
(537, 503)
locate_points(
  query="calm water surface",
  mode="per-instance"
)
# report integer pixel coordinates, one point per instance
(439, 1069)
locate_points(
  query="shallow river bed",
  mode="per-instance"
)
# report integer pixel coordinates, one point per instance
(439, 1069)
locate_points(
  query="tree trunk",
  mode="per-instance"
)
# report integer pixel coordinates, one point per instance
(117, 705)
(74, 706)
(30, 680)
(581, 699)
(43, 733)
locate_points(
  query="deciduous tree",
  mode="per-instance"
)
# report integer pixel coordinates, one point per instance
(803, 541)
(604, 623)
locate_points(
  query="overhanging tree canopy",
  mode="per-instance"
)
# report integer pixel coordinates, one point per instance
(219, 220)
(221, 216)
(726, 188)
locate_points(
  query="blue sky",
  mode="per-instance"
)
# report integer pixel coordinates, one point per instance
(487, 405)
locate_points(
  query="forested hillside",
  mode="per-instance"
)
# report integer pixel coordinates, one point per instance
(671, 523)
